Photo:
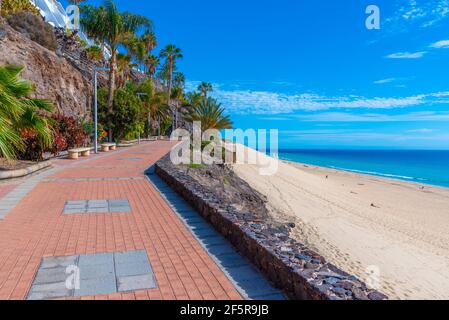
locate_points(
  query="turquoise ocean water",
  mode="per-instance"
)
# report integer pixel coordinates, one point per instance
(419, 166)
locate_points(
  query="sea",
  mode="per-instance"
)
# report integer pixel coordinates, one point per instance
(419, 166)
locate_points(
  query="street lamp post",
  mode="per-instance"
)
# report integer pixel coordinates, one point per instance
(140, 94)
(96, 105)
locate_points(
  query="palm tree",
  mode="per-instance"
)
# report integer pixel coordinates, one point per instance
(109, 26)
(211, 115)
(18, 112)
(151, 63)
(171, 53)
(76, 2)
(156, 108)
(205, 88)
(123, 68)
(95, 53)
(149, 40)
(179, 80)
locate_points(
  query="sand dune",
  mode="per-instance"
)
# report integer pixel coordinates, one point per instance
(392, 234)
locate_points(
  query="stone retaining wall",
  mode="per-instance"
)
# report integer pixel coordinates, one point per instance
(301, 273)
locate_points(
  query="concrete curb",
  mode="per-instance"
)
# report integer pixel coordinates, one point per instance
(10, 174)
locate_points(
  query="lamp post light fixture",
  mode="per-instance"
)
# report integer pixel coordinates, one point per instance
(96, 70)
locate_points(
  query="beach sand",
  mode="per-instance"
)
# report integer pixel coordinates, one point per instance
(392, 234)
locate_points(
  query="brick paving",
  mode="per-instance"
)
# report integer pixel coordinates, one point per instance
(36, 228)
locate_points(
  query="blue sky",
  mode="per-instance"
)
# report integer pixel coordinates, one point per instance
(314, 71)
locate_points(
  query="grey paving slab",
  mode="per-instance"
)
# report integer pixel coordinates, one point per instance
(95, 286)
(96, 259)
(96, 271)
(134, 283)
(53, 275)
(97, 206)
(56, 262)
(104, 273)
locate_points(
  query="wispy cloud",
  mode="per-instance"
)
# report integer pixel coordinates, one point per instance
(273, 103)
(406, 55)
(375, 117)
(417, 13)
(384, 81)
(440, 44)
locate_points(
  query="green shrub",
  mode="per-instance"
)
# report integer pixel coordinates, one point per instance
(95, 53)
(9, 7)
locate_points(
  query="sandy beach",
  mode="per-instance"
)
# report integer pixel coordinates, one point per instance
(392, 234)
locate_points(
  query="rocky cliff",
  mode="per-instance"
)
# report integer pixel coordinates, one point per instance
(53, 76)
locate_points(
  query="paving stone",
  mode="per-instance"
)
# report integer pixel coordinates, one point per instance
(53, 275)
(133, 268)
(57, 262)
(119, 209)
(98, 210)
(134, 283)
(86, 260)
(119, 203)
(130, 256)
(97, 204)
(96, 271)
(74, 211)
(96, 286)
(48, 295)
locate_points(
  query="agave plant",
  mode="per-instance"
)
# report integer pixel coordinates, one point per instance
(211, 115)
(18, 113)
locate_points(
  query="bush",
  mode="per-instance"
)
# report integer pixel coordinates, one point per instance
(9, 7)
(95, 53)
(35, 28)
(127, 110)
(69, 132)
(33, 150)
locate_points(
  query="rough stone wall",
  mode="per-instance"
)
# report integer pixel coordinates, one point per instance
(54, 77)
(301, 273)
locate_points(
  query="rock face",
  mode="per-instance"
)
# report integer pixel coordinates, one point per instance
(53, 76)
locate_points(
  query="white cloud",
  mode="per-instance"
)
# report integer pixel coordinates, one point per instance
(375, 117)
(440, 44)
(384, 81)
(281, 104)
(406, 55)
(420, 13)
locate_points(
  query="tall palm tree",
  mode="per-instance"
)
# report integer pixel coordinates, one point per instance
(156, 108)
(149, 40)
(171, 53)
(109, 26)
(211, 115)
(18, 112)
(179, 80)
(123, 68)
(205, 88)
(76, 2)
(151, 63)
